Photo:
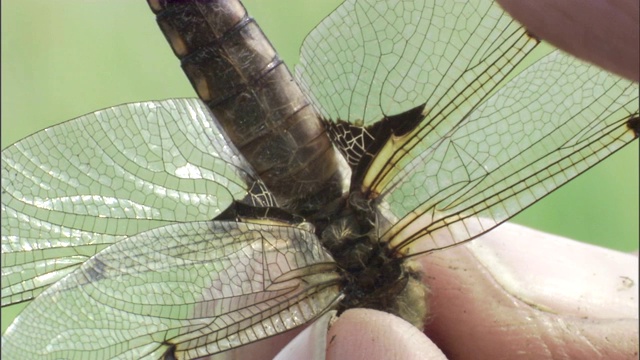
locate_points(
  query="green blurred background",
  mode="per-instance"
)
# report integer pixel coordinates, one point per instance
(63, 58)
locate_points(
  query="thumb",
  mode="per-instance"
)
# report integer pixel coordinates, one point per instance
(517, 292)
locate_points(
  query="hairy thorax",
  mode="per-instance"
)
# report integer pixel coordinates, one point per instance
(374, 276)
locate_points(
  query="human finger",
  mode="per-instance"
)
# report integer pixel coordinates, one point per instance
(520, 293)
(602, 32)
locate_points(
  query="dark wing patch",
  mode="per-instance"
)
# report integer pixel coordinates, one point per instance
(359, 145)
(634, 125)
(260, 196)
(351, 140)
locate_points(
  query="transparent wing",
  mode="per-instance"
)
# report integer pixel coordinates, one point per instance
(73, 189)
(372, 58)
(187, 289)
(553, 121)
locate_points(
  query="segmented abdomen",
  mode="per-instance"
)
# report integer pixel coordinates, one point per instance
(237, 73)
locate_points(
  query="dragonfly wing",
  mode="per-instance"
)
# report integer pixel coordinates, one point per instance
(369, 59)
(186, 289)
(550, 123)
(75, 188)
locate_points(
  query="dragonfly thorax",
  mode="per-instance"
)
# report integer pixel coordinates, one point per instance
(373, 275)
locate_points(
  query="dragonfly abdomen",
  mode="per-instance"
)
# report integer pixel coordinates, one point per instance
(238, 74)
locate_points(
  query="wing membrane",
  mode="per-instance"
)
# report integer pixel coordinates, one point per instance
(191, 289)
(372, 58)
(546, 126)
(73, 189)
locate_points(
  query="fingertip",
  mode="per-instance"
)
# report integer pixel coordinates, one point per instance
(371, 334)
(604, 33)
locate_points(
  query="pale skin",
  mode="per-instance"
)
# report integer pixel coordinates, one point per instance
(603, 32)
(504, 296)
